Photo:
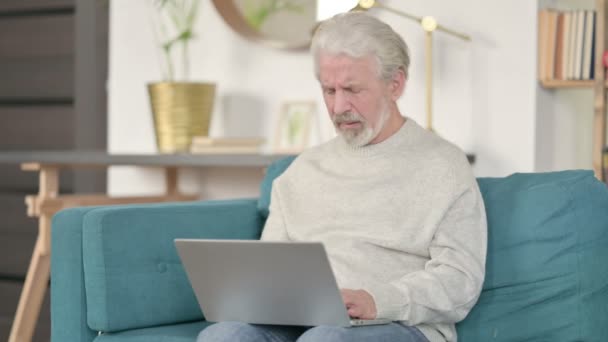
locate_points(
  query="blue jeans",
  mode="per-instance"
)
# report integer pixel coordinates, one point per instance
(243, 332)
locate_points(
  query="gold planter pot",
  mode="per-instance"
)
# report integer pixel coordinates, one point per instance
(181, 110)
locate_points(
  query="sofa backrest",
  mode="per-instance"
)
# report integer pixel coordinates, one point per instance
(133, 275)
(273, 171)
(546, 270)
(547, 262)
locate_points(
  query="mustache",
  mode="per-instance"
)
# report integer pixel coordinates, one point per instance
(347, 117)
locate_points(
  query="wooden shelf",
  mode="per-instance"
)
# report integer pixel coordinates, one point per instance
(557, 84)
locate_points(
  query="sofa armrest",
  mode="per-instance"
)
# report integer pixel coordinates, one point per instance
(133, 276)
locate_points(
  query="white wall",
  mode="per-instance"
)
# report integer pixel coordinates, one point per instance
(484, 90)
(564, 129)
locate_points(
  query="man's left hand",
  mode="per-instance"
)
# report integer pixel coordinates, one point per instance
(359, 304)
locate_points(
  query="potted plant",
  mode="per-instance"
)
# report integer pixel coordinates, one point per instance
(181, 109)
(257, 12)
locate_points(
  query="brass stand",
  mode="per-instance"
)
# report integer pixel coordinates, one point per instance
(430, 25)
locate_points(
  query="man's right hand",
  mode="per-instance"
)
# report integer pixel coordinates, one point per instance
(359, 304)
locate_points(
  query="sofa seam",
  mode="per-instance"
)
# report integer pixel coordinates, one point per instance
(578, 250)
(104, 290)
(83, 320)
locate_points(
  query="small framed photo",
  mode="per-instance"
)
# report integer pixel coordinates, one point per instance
(293, 127)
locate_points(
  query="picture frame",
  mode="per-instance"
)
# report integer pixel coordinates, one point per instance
(293, 126)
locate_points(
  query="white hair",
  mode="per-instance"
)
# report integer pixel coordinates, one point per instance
(358, 35)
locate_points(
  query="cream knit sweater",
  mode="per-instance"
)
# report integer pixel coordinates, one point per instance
(402, 219)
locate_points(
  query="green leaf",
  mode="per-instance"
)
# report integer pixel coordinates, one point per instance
(179, 17)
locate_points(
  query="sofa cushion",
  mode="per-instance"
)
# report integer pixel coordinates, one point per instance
(68, 309)
(547, 270)
(168, 333)
(274, 170)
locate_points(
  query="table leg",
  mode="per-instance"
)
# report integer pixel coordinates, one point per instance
(171, 181)
(32, 294)
(37, 279)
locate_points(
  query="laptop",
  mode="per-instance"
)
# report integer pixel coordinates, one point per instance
(263, 282)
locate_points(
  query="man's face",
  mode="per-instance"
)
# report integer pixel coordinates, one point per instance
(356, 98)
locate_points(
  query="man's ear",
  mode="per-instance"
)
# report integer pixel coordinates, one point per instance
(397, 84)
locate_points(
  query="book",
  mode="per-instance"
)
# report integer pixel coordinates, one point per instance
(201, 144)
(225, 142)
(593, 41)
(566, 47)
(588, 50)
(551, 44)
(567, 43)
(559, 48)
(573, 24)
(578, 48)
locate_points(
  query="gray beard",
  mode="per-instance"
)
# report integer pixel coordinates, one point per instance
(357, 138)
(363, 136)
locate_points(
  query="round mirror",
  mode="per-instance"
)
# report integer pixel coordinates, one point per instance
(285, 24)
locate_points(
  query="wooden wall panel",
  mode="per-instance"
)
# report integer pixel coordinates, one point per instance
(36, 79)
(9, 295)
(34, 128)
(17, 236)
(90, 94)
(14, 219)
(25, 5)
(37, 57)
(15, 254)
(13, 180)
(37, 36)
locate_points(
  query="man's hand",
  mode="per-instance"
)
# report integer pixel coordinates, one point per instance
(359, 304)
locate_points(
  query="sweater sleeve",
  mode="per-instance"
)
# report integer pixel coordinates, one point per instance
(451, 281)
(274, 229)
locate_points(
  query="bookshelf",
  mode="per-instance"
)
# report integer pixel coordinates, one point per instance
(598, 83)
(557, 84)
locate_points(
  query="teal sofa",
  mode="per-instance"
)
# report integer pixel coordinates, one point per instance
(116, 276)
